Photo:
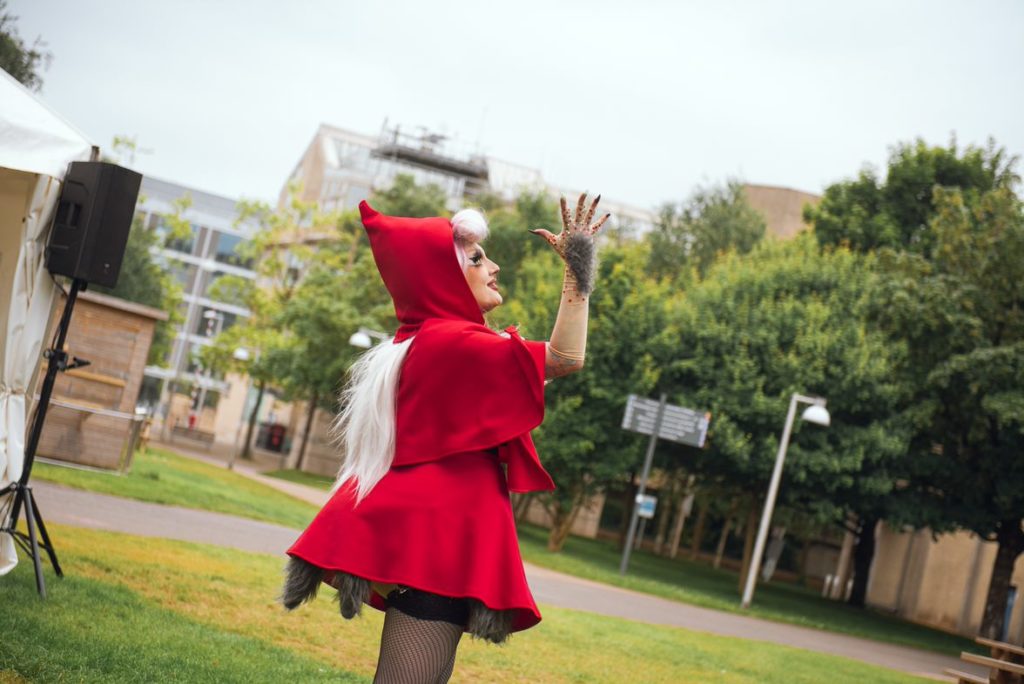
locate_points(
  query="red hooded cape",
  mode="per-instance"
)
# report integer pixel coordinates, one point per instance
(441, 520)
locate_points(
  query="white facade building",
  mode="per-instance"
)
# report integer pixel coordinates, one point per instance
(196, 262)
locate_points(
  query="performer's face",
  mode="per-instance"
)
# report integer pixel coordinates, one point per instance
(482, 276)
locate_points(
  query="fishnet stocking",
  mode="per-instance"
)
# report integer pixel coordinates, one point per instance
(414, 651)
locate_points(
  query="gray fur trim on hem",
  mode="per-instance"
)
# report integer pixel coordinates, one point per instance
(301, 582)
(489, 624)
(581, 258)
(352, 593)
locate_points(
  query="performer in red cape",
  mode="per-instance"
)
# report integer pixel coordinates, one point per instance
(420, 523)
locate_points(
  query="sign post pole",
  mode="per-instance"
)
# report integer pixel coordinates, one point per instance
(643, 485)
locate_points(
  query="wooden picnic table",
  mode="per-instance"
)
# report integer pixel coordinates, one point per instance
(1000, 671)
(1003, 650)
(1006, 664)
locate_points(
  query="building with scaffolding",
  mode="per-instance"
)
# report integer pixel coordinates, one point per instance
(339, 168)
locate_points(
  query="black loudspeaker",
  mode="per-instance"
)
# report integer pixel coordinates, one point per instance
(94, 216)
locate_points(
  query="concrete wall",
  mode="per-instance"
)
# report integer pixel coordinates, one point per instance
(228, 421)
(587, 521)
(942, 583)
(322, 458)
(782, 208)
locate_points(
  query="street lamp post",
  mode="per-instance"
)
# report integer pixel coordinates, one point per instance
(815, 413)
(214, 325)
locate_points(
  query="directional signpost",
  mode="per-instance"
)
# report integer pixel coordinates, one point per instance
(658, 419)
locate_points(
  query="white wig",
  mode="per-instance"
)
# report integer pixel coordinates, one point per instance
(468, 227)
(365, 428)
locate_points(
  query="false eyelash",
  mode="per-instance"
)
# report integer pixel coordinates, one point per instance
(476, 259)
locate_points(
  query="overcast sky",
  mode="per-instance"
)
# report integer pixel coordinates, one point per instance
(638, 100)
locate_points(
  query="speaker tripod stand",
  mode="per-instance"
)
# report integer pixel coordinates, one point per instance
(37, 539)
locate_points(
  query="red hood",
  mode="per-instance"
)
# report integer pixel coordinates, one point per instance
(416, 258)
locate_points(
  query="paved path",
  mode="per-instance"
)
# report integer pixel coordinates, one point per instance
(87, 509)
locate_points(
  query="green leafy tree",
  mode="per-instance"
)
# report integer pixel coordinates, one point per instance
(282, 249)
(693, 234)
(935, 204)
(580, 442)
(509, 243)
(21, 61)
(961, 313)
(789, 318)
(316, 285)
(868, 213)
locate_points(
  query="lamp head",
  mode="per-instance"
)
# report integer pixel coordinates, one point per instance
(817, 414)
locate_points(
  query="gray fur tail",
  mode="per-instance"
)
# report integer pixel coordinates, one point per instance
(352, 592)
(581, 257)
(301, 582)
(487, 623)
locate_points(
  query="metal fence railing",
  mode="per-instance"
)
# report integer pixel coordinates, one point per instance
(90, 435)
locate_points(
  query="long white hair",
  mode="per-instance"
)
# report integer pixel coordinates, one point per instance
(365, 428)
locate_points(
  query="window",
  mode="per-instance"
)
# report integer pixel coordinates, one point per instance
(183, 273)
(225, 250)
(228, 295)
(179, 244)
(149, 393)
(355, 195)
(352, 156)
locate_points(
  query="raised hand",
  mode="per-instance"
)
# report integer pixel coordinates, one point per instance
(580, 224)
(575, 243)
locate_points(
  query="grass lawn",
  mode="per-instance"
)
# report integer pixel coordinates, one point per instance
(303, 478)
(702, 585)
(164, 477)
(135, 609)
(161, 476)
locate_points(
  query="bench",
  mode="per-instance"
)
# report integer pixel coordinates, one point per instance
(966, 677)
(1003, 650)
(1000, 671)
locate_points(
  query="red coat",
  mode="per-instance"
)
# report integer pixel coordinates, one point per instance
(440, 520)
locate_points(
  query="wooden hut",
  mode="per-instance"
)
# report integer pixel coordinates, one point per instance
(90, 419)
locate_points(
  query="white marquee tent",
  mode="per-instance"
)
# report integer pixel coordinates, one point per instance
(36, 146)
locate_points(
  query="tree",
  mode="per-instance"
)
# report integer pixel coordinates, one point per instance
(691, 235)
(21, 61)
(961, 312)
(316, 285)
(868, 214)
(509, 243)
(947, 291)
(580, 442)
(789, 318)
